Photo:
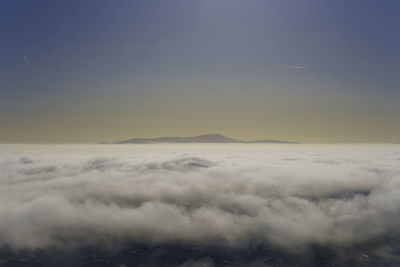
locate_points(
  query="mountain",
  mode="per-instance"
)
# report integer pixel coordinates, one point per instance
(206, 138)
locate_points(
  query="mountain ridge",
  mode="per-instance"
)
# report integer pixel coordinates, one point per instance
(205, 138)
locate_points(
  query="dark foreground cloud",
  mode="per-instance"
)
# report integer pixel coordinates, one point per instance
(233, 198)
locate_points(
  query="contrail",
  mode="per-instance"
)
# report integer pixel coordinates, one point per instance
(26, 60)
(294, 67)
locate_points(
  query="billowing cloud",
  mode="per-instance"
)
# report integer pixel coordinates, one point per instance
(286, 195)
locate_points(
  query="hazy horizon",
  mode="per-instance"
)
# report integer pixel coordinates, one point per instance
(110, 142)
(294, 142)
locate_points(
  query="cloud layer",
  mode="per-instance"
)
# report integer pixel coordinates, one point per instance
(286, 195)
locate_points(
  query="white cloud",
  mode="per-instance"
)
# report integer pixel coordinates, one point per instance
(232, 195)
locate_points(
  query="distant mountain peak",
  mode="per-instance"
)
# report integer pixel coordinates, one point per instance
(213, 135)
(205, 138)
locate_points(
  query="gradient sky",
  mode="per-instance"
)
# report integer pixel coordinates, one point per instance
(308, 71)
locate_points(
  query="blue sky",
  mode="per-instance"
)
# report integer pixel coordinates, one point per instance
(83, 71)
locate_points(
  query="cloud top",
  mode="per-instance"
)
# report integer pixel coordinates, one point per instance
(235, 198)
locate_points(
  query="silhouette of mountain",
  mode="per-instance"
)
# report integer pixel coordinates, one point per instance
(206, 138)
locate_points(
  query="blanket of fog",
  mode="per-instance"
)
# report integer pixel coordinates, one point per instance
(285, 195)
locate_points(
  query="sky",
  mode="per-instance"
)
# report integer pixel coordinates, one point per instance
(92, 71)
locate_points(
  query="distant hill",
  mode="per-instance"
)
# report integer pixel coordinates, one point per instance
(206, 138)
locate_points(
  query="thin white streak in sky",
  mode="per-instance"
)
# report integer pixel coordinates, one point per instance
(294, 67)
(26, 60)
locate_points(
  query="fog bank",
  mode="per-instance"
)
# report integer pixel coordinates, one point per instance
(285, 195)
